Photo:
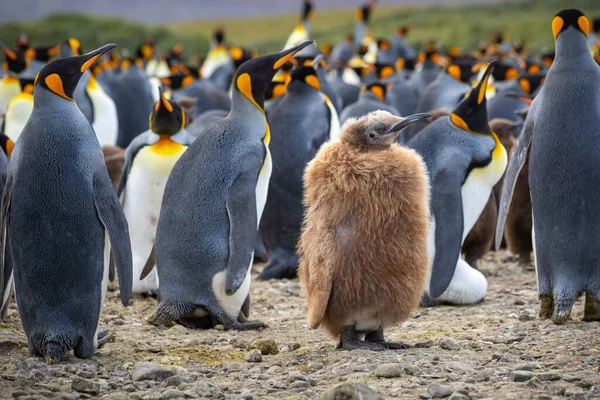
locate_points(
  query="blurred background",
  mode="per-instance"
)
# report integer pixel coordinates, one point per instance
(263, 25)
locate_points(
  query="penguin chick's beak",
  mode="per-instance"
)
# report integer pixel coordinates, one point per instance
(91, 57)
(409, 121)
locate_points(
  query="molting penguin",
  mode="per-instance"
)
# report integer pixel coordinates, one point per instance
(212, 205)
(360, 275)
(566, 213)
(300, 123)
(465, 160)
(371, 99)
(57, 207)
(149, 160)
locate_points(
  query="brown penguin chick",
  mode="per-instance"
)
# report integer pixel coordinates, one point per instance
(114, 159)
(480, 239)
(363, 248)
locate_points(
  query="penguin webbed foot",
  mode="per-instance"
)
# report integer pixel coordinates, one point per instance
(378, 338)
(427, 301)
(562, 309)
(592, 309)
(546, 306)
(349, 340)
(276, 269)
(104, 337)
(246, 326)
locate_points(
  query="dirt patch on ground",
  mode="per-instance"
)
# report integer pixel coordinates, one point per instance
(497, 349)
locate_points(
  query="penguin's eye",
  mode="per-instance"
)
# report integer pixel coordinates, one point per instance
(381, 130)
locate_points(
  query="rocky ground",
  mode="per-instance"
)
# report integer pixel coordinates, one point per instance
(495, 350)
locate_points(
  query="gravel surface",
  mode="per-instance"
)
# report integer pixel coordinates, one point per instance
(498, 349)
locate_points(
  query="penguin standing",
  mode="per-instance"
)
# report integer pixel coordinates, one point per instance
(300, 123)
(149, 160)
(18, 112)
(359, 273)
(57, 207)
(106, 120)
(212, 205)
(302, 31)
(9, 84)
(465, 159)
(217, 55)
(562, 171)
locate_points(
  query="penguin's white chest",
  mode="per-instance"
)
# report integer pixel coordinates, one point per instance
(9, 88)
(17, 115)
(142, 202)
(262, 184)
(334, 121)
(105, 117)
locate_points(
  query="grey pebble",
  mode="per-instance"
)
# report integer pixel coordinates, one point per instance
(448, 343)
(253, 356)
(85, 386)
(521, 376)
(351, 391)
(438, 391)
(523, 367)
(388, 371)
(149, 371)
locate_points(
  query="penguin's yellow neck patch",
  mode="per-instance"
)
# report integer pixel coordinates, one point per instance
(244, 85)
(459, 122)
(525, 85)
(498, 148)
(267, 138)
(92, 84)
(279, 90)
(55, 84)
(386, 72)
(10, 80)
(166, 147)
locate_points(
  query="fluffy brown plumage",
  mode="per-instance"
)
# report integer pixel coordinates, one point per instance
(114, 159)
(363, 249)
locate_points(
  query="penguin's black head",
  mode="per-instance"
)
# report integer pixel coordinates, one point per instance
(61, 76)
(566, 18)
(219, 35)
(275, 90)
(253, 77)
(384, 70)
(307, 75)
(408, 63)
(70, 47)
(364, 13)
(461, 71)
(167, 117)
(15, 60)
(504, 72)
(239, 55)
(403, 30)
(307, 11)
(471, 113)
(27, 85)
(498, 37)
(383, 45)
(23, 42)
(595, 25)
(530, 82)
(377, 130)
(377, 88)
(178, 81)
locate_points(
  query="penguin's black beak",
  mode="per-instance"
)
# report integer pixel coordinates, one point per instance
(91, 57)
(409, 121)
(285, 56)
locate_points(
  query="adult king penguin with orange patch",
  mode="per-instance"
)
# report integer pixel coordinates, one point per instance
(57, 206)
(561, 134)
(465, 160)
(360, 273)
(149, 160)
(213, 202)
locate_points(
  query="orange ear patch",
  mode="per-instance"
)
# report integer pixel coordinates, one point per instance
(584, 24)
(557, 25)
(313, 82)
(244, 85)
(454, 71)
(55, 84)
(525, 85)
(459, 122)
(377, 91)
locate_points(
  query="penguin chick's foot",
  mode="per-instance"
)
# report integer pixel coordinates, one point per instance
(349, 341)
(247, 326)
(104, 337)
(278, 271)
(592, 309)
(377, 338)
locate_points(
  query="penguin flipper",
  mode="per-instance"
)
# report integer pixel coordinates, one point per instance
(517, 160)
(112, 217)
(4, 259)
(243, 223)
(142, 140)
(150, 263)
(446, 201)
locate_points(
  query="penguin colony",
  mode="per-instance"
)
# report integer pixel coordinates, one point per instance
(175, 177)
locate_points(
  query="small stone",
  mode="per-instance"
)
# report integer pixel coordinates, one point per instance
(523, 367)
(459, 396)
(300, 385)
(534, 383)
(424, 345)
(456, 366)
(294, 346)
(388, 371)
(253, 356)
(175, 380)
(85, 386)
(424, 396)
(172, 394)
(179, 330)
(548, 376)
(448, 343)
(351, 391)
(315, 366)
(570, 378)
(207, 389)
(146, 371)
(521, 376)
(85, 374)
(412, 370)
(275, 384)
(519, 303)
(266, 346)
(438, 391)
(574, 392)
(525, 316)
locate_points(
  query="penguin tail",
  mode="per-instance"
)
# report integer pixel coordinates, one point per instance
(169, 311)
(51, 346)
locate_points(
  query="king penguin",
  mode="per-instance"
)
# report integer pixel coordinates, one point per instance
(58, 206)
(18, 112)
(300, 123)
(213, 202)
(217, 55)
(9, 84)
(149, 160)
(465, 160)
(302, 31)
(562, 128)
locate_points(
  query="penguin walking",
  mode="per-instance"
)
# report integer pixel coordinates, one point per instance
(561, 167)
(465, 159)
(212, 205)
(149, 160)
(359, 273)
(58, 205)
(300, 123)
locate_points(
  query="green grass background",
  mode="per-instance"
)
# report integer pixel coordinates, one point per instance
(463, 25)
